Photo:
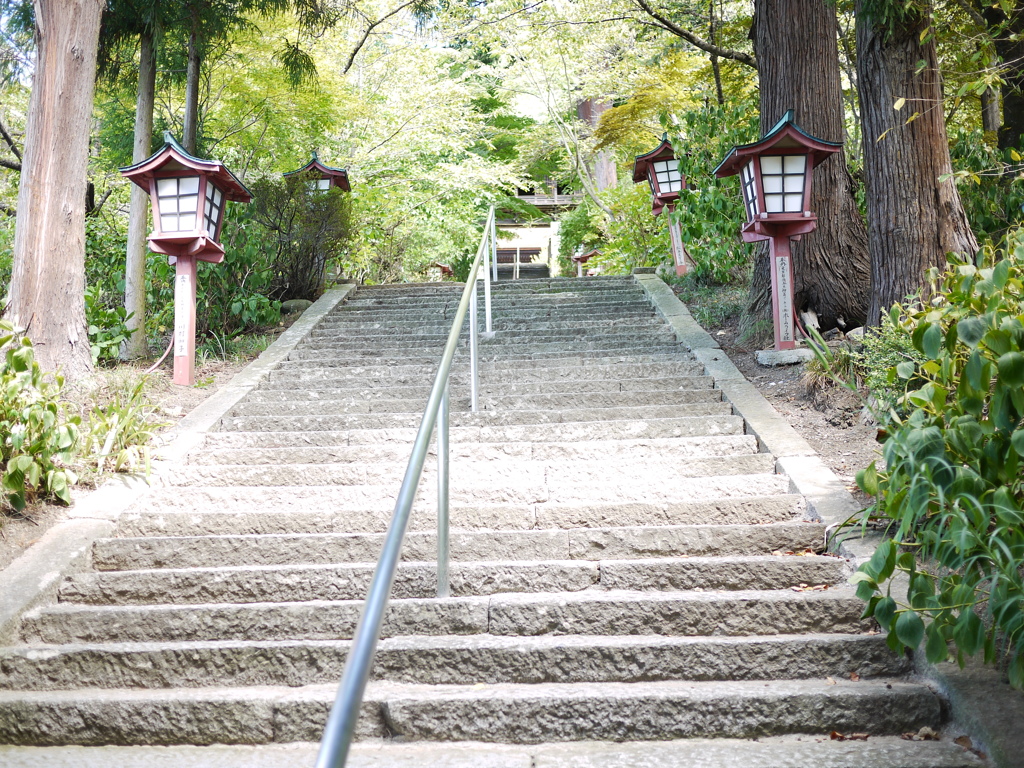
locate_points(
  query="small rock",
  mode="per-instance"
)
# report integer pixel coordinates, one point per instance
(293, 306)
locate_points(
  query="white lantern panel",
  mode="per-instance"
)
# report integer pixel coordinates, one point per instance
(169, 223)
(323, 184)
(668, 176)
(188, 204)
(749, 187)
(166, 187)
(188, 186)
(177, 200)
(782, 178)
(168, 205)
(213, 208)
(187, 222)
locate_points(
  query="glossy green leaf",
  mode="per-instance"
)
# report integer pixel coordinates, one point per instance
(909, 629)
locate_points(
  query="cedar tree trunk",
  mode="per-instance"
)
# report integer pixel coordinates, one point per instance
(190, 128)
(798, 66)
(138, 217)
(48, 278)
(914, 219)
(1009, 42)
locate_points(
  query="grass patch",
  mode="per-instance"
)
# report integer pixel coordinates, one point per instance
(713, 306)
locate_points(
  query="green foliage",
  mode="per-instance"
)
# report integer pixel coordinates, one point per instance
(305, 230)
(953, 483)
(119, 431)
(882, 349)
(710, 210)
(578, 233)
(106, 325)
(38, 440)
(990, 190)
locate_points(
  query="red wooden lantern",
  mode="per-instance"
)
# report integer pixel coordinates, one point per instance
(322, 177)
(189, 195)
(775, 175)
(660, 168)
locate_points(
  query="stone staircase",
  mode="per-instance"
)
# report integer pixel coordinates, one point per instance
(627, 569)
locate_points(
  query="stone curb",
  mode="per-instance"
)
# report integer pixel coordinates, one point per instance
(981, 703)
(32, 579)
(827, 497)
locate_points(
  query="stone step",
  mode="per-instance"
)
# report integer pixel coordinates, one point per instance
(343, 341)
(331, 326)
(488, 353)
(590, 612)
(450, 660)
(350, 581)
(458, 419)
(625, 429)
(508, 713)
(772, 752)
(662, 366)
(675, 449)
(415, 387)
(508, 474)
(356, 403)
(500, 299)
(233, 514)
(211, 551)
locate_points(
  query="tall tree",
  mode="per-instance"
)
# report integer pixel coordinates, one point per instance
(795, 42)
(915, 216)
(48, 278)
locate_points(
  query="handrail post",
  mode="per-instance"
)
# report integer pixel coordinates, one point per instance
(488, 233)
(494, 247)
(443, 455)
(474, 366)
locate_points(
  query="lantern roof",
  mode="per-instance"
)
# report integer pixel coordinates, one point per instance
(338, 176)
(785, 136)
(583, 258)
(642, 164)
(173, 157)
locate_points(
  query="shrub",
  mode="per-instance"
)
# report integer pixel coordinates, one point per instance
(120, 430)
(37, 439)
(953, 485)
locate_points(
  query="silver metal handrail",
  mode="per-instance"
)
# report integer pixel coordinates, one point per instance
(341, 724)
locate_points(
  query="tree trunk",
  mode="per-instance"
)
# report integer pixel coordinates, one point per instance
(798, 67)
(138, 217)
(914, 219)
(48, 278)
(991, 119)
(190, 128)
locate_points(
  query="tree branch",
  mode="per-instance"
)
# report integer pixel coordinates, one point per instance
(369, 29)
(975, 15)
(669, 26)
(10, 142)
(10, 164)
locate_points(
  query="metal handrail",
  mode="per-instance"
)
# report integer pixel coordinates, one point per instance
(341, 724)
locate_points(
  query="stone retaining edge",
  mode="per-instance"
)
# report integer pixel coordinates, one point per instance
(33, 578)
(981, 703)
(828, 500)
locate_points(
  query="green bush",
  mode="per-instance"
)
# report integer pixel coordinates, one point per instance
(38, 440)
(120, 430)
(953, 483)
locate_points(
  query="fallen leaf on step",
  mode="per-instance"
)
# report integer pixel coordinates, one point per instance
(858, 737)
(925, 734)
(855, 677)
(964, 741)
(810, 588)
(830, 681)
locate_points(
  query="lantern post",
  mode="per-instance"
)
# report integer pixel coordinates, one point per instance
(775, 179)
(660, 169)
(582, 258)
(189, 195)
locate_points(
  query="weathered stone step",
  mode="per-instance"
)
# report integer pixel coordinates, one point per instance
(331, 326)
(772, 752)
(625, 429)
(514, 475)
(578, 313)
(233, 514)
(488, 352)
(449, 660)
(662, 366)
(416, 386)
(502, 713)
(342, 341)
(356, 403)
(461, 419)
(503, 300)
(206, 551)
(349, 581)
(590, 612)
(675, 449)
